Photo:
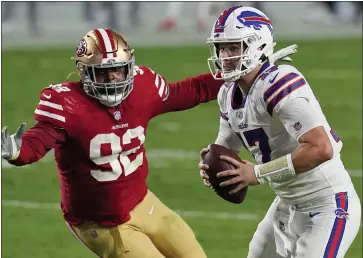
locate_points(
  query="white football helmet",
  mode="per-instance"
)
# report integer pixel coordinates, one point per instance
(247, 26)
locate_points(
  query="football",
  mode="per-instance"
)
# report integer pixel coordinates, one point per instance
(216, 165)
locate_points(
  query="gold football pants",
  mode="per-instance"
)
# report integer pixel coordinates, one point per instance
(154, 231)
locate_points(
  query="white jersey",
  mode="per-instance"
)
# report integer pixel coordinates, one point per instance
(255, 122)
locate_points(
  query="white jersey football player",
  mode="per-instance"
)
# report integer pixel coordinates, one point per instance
(271, 110)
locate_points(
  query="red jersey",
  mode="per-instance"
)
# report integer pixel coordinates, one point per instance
(99, 150)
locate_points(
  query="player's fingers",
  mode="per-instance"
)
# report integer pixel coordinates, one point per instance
(4, 154)
(20, 130)
(231, 172)
(286, 59)
(231, 181)
(206, 183)
(4, 133)
(246, 162)
(203, 174)
(203, 152)
(230, 160)
(238, 188)
(203, 166)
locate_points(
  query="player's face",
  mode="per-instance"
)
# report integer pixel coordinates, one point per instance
(110, 75)
(230, 54)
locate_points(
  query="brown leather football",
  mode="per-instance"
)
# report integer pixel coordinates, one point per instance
(216, 165)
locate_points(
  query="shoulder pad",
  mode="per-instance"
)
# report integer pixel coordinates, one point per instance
(54, 103)
(156, 82)
(281, 84)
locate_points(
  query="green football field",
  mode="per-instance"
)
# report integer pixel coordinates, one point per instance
(32, 225)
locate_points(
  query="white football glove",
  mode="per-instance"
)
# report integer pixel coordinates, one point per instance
(10, 145)
(283, 54)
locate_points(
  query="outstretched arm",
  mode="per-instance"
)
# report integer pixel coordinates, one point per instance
(29, 147)
(189, 93)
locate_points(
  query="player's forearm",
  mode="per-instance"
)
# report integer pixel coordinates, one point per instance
(314, 149)
(206, 86)
(37, 141)
(28, 153)
(194, 90)
(307, 157)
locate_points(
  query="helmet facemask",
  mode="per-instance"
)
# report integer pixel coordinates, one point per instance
(110, 82)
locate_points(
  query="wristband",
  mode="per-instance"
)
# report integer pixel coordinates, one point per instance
(274, 170)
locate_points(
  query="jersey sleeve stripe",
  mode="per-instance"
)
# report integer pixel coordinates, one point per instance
(49, 114)
(285, 92)
(157, 81)
(277, 85)
(50, 104)
(166, 94)
(162, 86)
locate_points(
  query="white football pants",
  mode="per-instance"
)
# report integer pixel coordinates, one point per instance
(323, 228)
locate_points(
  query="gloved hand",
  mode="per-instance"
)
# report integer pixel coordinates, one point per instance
(10, 145)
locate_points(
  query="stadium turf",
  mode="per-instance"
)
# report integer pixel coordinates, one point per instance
(32, 225)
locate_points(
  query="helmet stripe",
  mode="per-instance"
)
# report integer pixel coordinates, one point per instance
(102, 43)
(219, 26)
(110, 36)
(107, 41)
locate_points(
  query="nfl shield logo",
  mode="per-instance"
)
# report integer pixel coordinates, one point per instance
(297, 126)
(117, 115)
(282, 225)
(239, 114)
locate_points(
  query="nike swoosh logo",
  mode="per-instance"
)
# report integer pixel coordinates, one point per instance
(152, 209)
(273, 79)
(313, 214)
(47, 96)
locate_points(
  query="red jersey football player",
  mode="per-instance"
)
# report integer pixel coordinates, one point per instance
(97, 128)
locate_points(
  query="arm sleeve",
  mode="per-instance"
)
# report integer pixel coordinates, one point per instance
(37, 141)
(298, 117)
(186, 94)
